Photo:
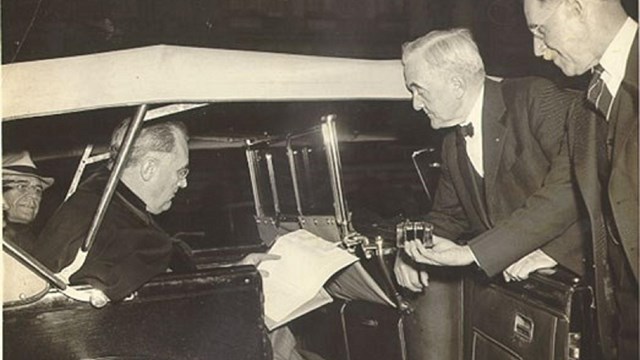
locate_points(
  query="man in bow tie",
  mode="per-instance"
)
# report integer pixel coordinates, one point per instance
(505, 185)
(579, 35)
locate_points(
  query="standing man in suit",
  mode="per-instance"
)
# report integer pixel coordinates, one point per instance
(506, 183)
(597, 35)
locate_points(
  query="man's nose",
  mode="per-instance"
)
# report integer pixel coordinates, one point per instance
(538, 46)
(417, 103)
(183, 183)
(33, 195)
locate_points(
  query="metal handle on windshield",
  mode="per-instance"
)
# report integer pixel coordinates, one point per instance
(123, 155)
(330, 138)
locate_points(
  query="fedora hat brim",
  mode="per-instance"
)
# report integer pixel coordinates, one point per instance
(9, 173)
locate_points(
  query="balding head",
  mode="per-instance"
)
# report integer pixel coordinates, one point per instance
(158, 137)
(158, 163)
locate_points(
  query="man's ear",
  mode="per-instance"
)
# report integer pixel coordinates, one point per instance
(576, 7)
(148, 168)
(459, 86)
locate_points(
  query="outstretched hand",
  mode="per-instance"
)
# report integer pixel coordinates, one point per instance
(98, 299)
(534, 261)
(443, 253)
(408, 276)
(256, 258)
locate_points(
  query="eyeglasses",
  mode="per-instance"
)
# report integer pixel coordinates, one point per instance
(182, 173)
(537, 30)
(24, 187)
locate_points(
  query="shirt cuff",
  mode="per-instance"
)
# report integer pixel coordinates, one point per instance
(475, 259)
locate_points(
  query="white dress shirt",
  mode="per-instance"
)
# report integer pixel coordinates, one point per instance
(614, 59)
(474, 143)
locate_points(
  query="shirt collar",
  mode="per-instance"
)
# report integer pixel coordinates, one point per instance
(614, 59)
(131, 197)
(122, 189)
(475, 115)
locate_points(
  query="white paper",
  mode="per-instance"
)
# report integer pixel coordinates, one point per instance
(306, 263)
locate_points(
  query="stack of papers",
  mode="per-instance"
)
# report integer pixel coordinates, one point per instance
(294, 285)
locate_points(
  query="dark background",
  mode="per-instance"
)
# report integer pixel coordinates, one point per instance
(380, 177)
(36, 29)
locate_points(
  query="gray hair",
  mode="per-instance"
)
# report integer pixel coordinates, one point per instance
(155, 136)
(447, 51)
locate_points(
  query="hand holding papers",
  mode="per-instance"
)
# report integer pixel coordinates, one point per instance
(295, 282)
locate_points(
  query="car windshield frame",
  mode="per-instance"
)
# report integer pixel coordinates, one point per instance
(138, 77)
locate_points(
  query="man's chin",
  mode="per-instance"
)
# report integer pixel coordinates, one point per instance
(437, 124)
(441, 124)
(573, 72)
(159, 209)
(569, 69)
(22, 219)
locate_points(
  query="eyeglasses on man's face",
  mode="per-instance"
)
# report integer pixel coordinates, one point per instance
(539, 30)
(24, 187)
(183, 172)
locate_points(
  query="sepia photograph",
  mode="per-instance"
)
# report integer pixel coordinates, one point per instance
(320, 179)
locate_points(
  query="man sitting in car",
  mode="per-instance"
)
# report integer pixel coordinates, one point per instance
(130, 248)
(22, 188)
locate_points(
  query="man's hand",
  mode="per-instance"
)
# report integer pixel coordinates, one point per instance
(521, 269)
(256, 258)
(408, 276)
(97, 298)
(443, 253)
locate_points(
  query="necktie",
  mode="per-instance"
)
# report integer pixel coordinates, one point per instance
(466, 130)
(598, 93)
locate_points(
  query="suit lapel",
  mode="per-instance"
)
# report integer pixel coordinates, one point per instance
(625, 156)
(492, 110)
(585, 154)
(628, 93)
(493, 133)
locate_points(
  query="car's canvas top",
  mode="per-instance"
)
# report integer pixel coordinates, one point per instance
(172, 74)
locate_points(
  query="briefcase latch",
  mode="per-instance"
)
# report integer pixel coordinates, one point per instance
(523, 327)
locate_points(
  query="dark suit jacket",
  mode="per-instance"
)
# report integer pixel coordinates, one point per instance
(530, 201)
(622, 189)
(21, 235)
(129, 248)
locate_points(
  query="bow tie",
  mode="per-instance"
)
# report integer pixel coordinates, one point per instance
(466, 130)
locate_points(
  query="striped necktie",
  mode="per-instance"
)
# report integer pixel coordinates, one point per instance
(598, 93)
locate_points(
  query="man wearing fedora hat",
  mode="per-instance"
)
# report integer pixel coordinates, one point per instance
(22, 188)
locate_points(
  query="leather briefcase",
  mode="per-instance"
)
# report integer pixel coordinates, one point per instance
(546, 317)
